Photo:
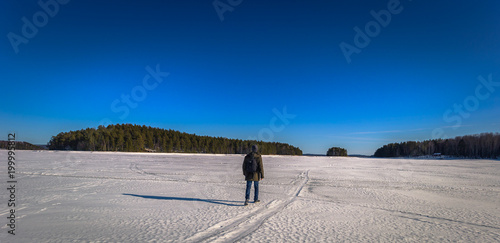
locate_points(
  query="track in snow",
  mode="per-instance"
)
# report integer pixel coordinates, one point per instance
(235, 229)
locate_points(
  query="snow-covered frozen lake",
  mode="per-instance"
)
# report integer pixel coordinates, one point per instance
(137, 197)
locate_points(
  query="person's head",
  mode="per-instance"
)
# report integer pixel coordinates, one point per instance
(255, 148)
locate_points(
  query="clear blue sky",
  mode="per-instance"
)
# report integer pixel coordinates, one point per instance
(228, 77)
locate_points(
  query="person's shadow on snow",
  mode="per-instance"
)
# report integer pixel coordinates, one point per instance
(215, 201)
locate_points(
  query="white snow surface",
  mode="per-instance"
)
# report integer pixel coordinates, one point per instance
(143, 197)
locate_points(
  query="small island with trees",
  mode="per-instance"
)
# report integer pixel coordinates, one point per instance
(336, 151)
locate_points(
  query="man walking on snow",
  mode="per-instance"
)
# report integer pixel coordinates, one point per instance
(253, 170)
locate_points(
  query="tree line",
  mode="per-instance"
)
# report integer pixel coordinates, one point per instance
(336, 151)
(484, 145)
(135, 138)
(20, 145)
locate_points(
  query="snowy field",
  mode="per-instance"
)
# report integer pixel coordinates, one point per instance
(138, 197)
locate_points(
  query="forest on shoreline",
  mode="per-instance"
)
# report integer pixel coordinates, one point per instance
(480, 146)
(20, 145)
(136, 138)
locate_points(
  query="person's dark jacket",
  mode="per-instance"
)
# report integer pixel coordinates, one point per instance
(256, 176)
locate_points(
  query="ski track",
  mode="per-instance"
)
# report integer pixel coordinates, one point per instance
(235, 229)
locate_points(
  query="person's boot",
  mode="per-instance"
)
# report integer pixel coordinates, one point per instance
(246, 202)
(257, 201)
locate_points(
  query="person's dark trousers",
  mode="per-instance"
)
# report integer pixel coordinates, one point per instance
(256, 187)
